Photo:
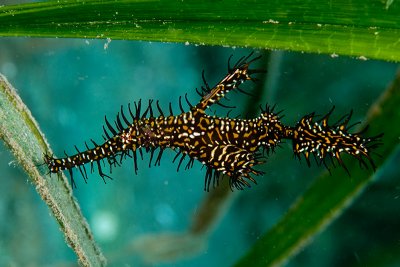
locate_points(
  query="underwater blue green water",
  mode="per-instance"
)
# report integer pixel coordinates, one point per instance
(69, 85)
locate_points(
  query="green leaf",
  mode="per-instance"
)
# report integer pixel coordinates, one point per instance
(329, 195)
(360, 28)
(22, 136)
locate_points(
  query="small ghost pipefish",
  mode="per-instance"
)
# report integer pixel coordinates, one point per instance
(224, 145)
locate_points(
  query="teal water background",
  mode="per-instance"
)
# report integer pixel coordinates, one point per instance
(69, 85)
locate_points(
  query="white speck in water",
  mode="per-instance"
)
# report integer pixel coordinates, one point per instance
(164, 214)
(334, 55)
(362, 58)
(12, 163)
(107, 44)
(187, 43)
(105, 225)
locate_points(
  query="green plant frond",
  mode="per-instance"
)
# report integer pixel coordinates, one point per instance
(363, 29)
